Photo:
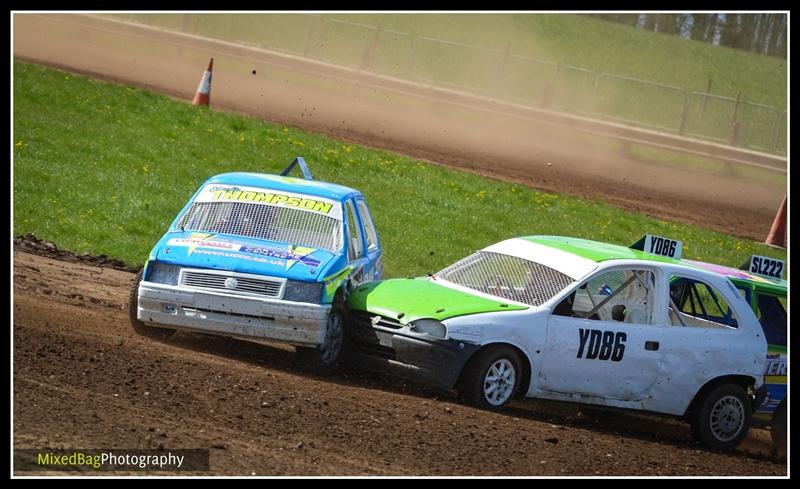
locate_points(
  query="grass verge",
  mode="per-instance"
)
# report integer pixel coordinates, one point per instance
(104, 168)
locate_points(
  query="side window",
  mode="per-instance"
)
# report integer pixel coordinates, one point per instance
(772, 315)
(369, 227)
(745, 293)
(618, 295)
(695, 303)
(354, 250)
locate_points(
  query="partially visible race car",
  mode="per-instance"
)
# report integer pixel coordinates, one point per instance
(573, 320)
(267, 257)
(761, 284)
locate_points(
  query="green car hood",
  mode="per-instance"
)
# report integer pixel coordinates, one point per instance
(410, 299)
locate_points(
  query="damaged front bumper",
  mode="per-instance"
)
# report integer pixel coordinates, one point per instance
(232, 315)
(387, 344)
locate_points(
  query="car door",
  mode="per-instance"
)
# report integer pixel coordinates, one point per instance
(373, 269)
(703, 338)
(771, 313)
(355, 244)
(604, 339)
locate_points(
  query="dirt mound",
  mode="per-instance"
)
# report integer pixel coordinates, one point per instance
(82, 378)
(31, 244)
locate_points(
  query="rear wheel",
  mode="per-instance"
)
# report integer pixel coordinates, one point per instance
(140, 327)
(492, 378)
(722, 417)
(330, 356)
(778, 428)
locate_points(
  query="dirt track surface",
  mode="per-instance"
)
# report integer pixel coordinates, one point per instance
(83, 379)
(365, 109)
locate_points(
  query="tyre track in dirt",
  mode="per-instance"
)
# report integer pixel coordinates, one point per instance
(82, 378)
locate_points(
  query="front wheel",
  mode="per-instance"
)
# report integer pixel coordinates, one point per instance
(722, 418)
(492, 378)
(329, 357)
(139, 327)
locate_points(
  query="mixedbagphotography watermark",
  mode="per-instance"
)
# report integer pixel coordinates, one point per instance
(98, 459)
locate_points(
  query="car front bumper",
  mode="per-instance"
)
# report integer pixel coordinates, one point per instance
(232, 315)
(389, 345)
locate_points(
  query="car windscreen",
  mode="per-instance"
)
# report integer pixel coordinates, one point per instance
(287, 218)
(506, 276)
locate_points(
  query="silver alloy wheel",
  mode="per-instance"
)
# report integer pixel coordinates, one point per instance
(727, 418)
(332, 345)
(498, 385)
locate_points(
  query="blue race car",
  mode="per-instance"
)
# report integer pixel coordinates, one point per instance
(263, 257)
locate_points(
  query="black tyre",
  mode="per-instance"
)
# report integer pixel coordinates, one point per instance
(778, 428)
(491, 379)
(331, 355)
(722, 416)
(141, 328)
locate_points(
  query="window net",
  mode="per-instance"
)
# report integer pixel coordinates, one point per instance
(507, 276)
(275, 223)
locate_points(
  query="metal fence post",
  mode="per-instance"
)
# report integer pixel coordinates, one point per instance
(230, 27)
(776, 135)
(684, 113)
(502, 67)
(735, 126)
(736, 107)
(549, 89)
(705, 98)
(594, 92)
(186, 21)
(323, 38)
(412, 62)
(369, 50)
(736, 133)
(309, 32)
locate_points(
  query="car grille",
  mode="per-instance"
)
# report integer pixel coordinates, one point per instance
(365, 319)
(365, 337)
(266, 287)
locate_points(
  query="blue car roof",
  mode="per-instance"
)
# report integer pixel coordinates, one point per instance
(286, 184)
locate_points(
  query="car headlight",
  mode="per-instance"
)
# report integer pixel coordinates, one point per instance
(303, 291)
(163, 273)
(429, 326)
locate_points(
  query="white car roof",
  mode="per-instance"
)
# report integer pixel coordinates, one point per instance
(569, 264)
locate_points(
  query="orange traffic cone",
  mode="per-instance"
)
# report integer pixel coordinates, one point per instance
(203, 94)
(777, 235)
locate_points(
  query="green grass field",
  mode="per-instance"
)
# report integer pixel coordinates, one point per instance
(104, 169)
(406, 47)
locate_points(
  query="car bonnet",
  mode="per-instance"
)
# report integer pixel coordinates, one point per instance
(410, 299)
(245, 255)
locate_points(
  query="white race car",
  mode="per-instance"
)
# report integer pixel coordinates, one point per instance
(574, 320)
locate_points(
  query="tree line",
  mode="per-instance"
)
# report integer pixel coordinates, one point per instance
(756, 33)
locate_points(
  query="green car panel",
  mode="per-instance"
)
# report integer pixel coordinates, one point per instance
(421, 298)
